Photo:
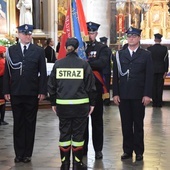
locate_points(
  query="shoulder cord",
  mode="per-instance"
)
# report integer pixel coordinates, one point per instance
(119, 67)
(14, 66)
(166, 55)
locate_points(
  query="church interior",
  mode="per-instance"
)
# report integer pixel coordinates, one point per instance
(115, 17)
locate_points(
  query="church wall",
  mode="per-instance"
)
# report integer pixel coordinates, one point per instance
(100, 11)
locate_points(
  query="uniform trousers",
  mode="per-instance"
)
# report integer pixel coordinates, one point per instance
(97, 126)
(158, 83)
(107, 78)
(24, 110)
(2, 112)
(72, 129)
(132, 112)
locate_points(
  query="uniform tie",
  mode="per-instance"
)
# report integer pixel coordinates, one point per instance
(25, 49)
(133, 53)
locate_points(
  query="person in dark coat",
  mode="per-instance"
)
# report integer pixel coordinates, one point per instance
(24, 85)
(2, 100)
(160, 64)
(132, 91)
(96, 53)
(73, 106)
(49, 51)
(107, 70)
(58, 46)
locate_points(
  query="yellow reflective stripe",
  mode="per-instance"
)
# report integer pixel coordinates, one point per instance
(63, 159)
(77, 144)
(72, 101)
(77, 159)
(66, 143)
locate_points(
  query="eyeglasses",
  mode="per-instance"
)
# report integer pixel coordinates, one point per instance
(132, 36)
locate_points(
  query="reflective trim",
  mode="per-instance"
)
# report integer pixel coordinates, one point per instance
(72, 101)
(63, 159)
(77, 159)
(64, 144)
(77, 144)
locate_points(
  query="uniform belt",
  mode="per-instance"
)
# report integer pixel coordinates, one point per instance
(72, 101)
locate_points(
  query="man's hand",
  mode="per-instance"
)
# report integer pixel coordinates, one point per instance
(146, 100)
(41, 97)
(7, 97)
(54, 109)
(116, 100)
(165, 74)
(91, 110)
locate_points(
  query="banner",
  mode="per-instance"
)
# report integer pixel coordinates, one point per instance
(75, 26)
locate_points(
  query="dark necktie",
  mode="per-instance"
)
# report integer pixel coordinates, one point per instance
(25, 49)
(133, 53)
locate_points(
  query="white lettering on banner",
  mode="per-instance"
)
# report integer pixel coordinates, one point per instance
(69, 73)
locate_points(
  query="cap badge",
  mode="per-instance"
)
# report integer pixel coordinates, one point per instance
(26, 27)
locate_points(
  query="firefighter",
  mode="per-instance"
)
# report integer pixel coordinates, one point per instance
(72, 92)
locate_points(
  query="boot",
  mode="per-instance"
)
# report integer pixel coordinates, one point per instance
(77, 159)
(65, 157)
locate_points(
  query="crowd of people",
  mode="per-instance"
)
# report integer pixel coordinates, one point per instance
(138, 79)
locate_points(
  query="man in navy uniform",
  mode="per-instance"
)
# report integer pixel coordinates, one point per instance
(24, 86)
(96, 53)
(160, 65)
(132, 91)
(107, 70)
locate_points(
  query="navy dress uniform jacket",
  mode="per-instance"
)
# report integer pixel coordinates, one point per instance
(139, 81)
(160, 58)
(97, 58)
(31, 79)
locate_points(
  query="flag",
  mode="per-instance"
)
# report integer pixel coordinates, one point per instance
(77, 33)
(75, 26)
(67, 33)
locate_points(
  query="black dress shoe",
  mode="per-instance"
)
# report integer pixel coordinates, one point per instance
(26, 159)
(18, 159)
(98, 155)
(126, 156)
(139, 157)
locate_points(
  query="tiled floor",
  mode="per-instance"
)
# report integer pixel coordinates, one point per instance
(46, 153)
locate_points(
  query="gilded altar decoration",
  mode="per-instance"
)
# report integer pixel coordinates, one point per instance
(168, 6)
(62, 10)
(120, 17)
(120, 20)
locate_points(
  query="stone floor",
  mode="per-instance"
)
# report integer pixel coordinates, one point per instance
(46, 153)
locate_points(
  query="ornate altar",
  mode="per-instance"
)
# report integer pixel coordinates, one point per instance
(62, 10)
(156, 20)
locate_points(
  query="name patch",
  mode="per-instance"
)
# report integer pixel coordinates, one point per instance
(69, 73)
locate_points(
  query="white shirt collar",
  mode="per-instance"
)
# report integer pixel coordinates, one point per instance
(131, 52)
(22, 46)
